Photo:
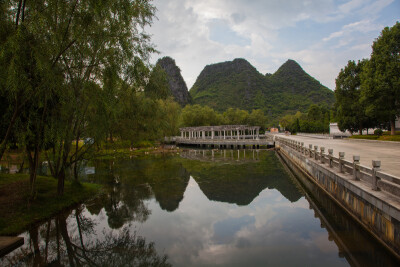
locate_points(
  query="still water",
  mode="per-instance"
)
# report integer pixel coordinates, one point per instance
(200, 208)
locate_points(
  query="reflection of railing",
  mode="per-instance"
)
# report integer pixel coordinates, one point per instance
(377, 179)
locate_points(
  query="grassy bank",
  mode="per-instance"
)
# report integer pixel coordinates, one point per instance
(17, 215)
(377, 137)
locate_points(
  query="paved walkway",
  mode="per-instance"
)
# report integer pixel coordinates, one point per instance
(387, 152)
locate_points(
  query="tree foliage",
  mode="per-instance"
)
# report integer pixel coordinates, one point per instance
(61, 61)
(196, 115)
(350, 111)
(381, 78)
(316, 120)
(368, 92)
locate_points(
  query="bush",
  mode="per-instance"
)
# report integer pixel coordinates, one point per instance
(378, 132)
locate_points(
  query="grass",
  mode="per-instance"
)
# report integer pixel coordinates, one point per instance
(17, 215)
(385, 137)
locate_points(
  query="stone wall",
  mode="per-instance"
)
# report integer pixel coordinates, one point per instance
(377, 211)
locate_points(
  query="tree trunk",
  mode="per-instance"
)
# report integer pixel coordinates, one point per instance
(392, 126)
(360, 128)
(33, 163)
(61, 179)
(3, 145)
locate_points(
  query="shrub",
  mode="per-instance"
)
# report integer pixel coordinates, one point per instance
(378, 132)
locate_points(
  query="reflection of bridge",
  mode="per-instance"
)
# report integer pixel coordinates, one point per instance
(224, 136)
(231, 156)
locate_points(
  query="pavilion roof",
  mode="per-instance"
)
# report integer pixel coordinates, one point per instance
(220, 128)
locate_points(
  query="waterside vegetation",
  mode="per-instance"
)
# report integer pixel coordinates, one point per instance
(17, 215)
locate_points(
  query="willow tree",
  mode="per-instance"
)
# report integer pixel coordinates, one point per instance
(77, 40)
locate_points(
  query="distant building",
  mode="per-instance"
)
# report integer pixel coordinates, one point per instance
(274, 130)
(336, 132)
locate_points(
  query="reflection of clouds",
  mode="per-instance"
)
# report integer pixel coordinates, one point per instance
(203, 232)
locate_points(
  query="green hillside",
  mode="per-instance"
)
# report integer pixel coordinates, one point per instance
(238, 84)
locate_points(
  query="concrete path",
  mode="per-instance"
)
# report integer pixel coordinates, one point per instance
(387, 152)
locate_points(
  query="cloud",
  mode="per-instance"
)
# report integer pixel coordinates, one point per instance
(187, 31)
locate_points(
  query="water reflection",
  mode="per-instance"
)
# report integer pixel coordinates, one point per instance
(219, 181)
(201, 208)
(71, 239)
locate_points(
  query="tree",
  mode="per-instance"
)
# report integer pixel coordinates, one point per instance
(170, 111)
(351, 113)
(257, 118)
(381, 78)
(83, 42)
(157, 87)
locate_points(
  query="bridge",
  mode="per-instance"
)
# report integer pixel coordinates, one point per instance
(224, 136)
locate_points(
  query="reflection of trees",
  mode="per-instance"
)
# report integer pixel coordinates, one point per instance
(70, 240)
(132, 181)
(168, 179)
(241, 183)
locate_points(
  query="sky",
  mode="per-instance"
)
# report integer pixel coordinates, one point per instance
(321, 35)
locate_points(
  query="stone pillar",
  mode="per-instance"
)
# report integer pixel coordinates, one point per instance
(322, 154)
(238, 134)
(330, 151)
(204, 134)
(315, 152)
(356, 163)
(212, 133)
(224, 135)
(376, 166)
(310, 150)
(341, 158)
(258, 133)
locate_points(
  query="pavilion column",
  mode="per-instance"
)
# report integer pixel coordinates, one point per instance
(204, 135)
(182, 134)
(258, 133)
(238, 132)
(212, 133)
(224, 134)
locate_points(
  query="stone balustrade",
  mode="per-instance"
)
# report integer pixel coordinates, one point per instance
(374, 176)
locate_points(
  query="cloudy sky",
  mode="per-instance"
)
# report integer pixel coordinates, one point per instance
(321, 35)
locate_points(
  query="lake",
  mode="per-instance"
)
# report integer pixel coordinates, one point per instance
(200, 208)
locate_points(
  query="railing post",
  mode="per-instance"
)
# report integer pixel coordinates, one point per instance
(330, 151)
(302, 147)
(356, 163)
(341, 158)
(322, 154)
(315, 152)
(376, 166)
(310, 150)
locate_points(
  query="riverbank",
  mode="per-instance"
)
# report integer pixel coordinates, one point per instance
(17, 214)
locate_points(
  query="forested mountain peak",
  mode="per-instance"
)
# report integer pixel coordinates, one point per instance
(290, 68)
(237, 84)
(176, 82)
(226, 68)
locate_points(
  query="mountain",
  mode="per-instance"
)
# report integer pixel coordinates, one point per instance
(176, 83)
(238, 84)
